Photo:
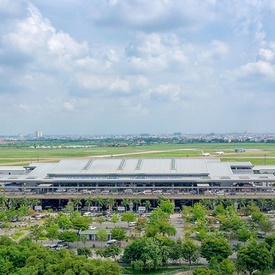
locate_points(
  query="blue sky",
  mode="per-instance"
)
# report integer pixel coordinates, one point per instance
(93, 67)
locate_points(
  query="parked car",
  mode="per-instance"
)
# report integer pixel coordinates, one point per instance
(62, 246)
(110, 242)
(87, 214)
(86, 192)
(128, 191)
(60, 190)
(52, 246)
(91, 227)
(261, 234)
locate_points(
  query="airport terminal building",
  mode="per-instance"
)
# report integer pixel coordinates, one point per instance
(101, 173)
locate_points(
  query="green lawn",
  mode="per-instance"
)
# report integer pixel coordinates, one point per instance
(256, 153)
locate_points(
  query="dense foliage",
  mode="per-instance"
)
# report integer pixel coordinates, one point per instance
(25, 258)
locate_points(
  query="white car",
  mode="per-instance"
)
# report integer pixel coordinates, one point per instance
(87, 214)
(62, 246)
(91, 227)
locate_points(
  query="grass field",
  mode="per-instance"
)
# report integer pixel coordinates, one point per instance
(256, 153)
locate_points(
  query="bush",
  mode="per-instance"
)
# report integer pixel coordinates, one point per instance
(84, 251)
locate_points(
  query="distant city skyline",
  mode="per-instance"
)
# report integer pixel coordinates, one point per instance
(135, 66)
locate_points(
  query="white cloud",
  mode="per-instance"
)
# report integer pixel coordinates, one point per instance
(65, 61)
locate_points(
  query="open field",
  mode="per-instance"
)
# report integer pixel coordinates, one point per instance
(256, 153)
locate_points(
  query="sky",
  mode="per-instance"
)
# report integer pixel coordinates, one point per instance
(89, 67)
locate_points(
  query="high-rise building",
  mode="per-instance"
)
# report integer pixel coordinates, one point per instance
(38, 134)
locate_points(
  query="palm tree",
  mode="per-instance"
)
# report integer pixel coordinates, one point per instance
(77, 202)
(137, 202)
(207, 204)
(241, 202)
(100, 202)
(272, 204)
(3, 201)
(88, 202)
(261, 203)
(34, 202)
(109, 202)
(125, 203)
(147, 204)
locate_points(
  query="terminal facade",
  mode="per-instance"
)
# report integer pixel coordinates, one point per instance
(123, 173)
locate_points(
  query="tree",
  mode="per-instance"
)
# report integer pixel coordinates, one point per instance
(141, 223)
(199, 212)
(144, 253)
(261, 203)
(100, 202)
(254, 256)
(190, 251)
(207, 204)
(52, 232)
(36, 232)
(244, 234)
(87, 252)
(147, 205)
(68, 236)
(109, 202)
(125, 203)
(88, 202)
(83, 239)
(161, 226)
(217, 247)
(118, 233)
(265, 224)
(225, 267)
(128, 217)
(100, 219)
(232, 223)
(102, 235)
(114, 218)
(80, 223)
(204, 271)
(167, 206)
(77, 202)
(3, 201)
(137, 202)
(109, 251)
(64, 222)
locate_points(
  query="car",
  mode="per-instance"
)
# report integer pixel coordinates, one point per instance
(128, 191)
(261, 234)
(91, 227)
(110, 242)
(105, 192)
(60, 190)
(87, 214)
(86, 192)
(72, 190)
(157, 192)
(52, 246)
(147, 192)
(62, 246)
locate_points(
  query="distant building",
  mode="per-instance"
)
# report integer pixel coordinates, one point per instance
(38, 134)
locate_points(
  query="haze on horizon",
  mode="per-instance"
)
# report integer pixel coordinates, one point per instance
(137, 66)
